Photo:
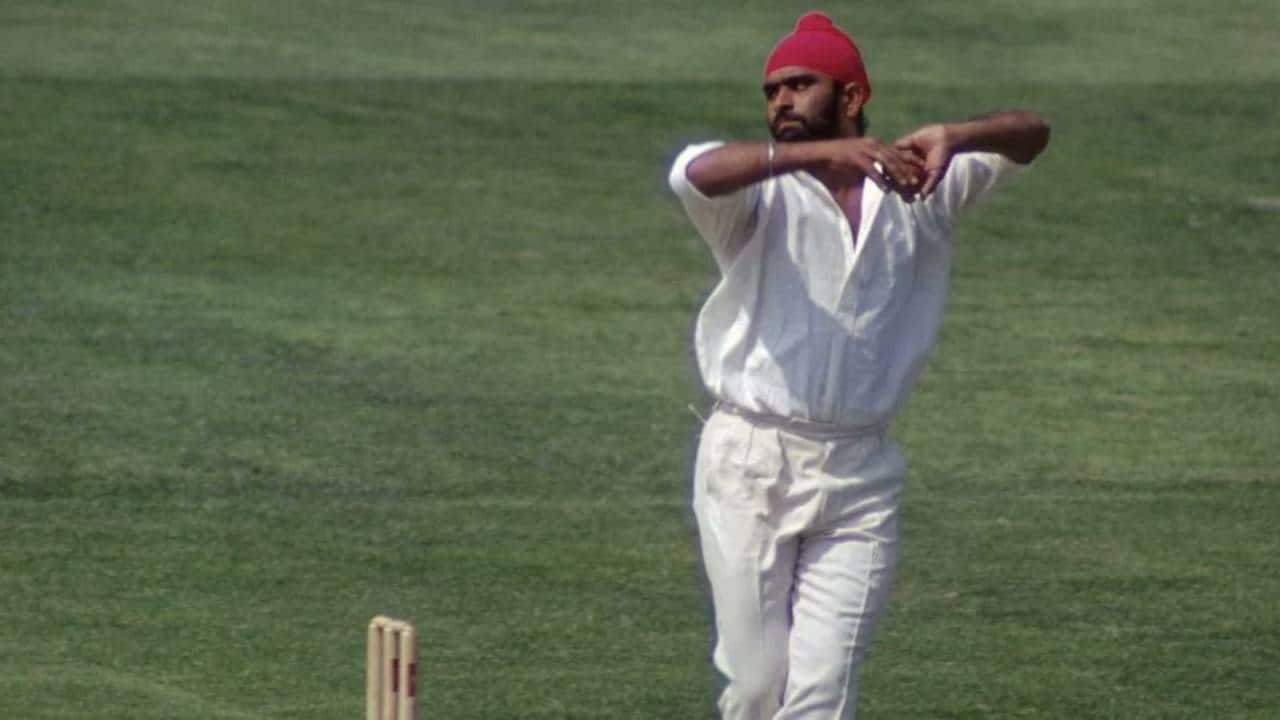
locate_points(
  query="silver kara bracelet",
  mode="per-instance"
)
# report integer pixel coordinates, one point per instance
(772, 150)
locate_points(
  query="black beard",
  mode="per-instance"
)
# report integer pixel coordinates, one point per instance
(825, 126)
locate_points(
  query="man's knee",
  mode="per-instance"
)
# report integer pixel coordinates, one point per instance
(824, 689)
(755, 689)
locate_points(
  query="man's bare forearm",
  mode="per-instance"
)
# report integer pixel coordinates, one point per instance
(737, 165)
(1017, 134)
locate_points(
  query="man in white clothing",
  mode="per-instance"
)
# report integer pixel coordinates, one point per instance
(834, 253)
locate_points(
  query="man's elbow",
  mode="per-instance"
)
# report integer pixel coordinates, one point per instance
(1035, 139)
(700, 174)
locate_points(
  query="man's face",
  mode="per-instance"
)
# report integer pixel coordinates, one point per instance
(801, 104)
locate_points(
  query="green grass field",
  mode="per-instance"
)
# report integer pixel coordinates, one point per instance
(317, 310)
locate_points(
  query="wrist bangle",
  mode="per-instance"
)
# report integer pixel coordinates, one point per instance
(772, 150)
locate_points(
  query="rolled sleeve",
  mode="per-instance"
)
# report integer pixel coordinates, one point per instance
(970, 179)
(725, 222)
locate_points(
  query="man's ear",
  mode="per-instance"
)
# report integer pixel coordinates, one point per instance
(854, 97)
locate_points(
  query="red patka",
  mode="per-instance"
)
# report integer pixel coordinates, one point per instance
(818, 44)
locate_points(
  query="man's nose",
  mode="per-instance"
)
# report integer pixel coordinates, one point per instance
(783, 100)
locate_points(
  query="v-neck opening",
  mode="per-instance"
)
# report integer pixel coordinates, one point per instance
(869, 205)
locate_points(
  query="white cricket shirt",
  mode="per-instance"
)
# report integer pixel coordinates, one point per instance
(805, 322)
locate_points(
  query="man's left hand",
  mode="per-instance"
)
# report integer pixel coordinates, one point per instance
(931, 146)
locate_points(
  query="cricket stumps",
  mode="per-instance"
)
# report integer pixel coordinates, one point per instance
(391, 686)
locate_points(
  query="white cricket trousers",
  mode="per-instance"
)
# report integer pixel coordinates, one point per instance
(798, 526)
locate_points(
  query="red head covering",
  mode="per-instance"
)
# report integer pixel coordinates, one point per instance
(819, 45)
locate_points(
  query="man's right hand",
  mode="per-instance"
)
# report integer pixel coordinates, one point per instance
(893, 169)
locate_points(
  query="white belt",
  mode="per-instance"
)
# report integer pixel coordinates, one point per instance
(800, 426)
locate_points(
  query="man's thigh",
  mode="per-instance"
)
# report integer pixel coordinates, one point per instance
(844, 568)
(748, 563)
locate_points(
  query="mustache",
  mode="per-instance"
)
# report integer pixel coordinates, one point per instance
(785, 116)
